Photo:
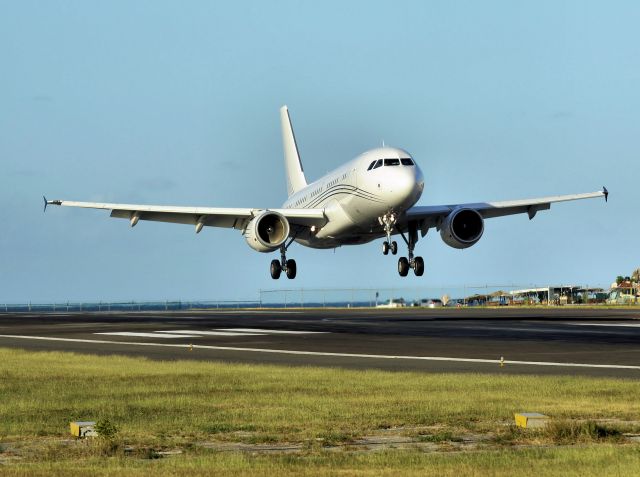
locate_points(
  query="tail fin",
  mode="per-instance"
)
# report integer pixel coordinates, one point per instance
(292, 164)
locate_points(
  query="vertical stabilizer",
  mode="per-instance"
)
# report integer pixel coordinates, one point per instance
(292, 164)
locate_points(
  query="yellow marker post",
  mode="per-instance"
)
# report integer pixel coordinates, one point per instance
(502, 361)
(191, 347)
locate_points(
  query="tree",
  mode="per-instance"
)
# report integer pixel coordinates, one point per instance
(619, 279)
(635, 276)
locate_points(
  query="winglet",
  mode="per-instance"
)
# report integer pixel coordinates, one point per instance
(606, 193)
(50, 202)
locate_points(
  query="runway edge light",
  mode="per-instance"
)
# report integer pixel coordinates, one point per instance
(531, 420)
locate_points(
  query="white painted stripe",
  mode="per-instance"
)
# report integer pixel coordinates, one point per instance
(254, 312)
(321, 353)
(147, 335)
(209, 333)
(479, 327)
(272, 332)
(623, 325)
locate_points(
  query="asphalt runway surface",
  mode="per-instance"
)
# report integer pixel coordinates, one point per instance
(565, 341)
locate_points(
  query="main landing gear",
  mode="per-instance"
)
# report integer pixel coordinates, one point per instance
(288, 266)
(417, 263)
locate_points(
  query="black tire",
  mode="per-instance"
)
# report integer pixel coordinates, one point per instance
(403, 266)
(418, 266)
(291, 269)
(275, 269)
(394, 247)
(385, 248)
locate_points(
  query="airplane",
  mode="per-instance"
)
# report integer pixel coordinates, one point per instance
(371, 197)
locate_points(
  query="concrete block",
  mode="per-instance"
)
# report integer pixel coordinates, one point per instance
(83, 428)
(531, 420)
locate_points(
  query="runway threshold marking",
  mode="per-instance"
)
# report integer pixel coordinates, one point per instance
(329, 354)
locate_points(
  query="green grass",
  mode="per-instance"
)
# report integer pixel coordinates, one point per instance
(565, 462)
(167, 405)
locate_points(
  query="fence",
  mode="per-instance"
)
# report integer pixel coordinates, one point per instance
(456, 294)
(469, 295)
(127, 306)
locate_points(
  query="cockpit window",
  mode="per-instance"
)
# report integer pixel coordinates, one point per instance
(392, 162)
(378, 163)
(407, 161)
(371, 165)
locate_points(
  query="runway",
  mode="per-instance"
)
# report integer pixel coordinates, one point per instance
(599, 342)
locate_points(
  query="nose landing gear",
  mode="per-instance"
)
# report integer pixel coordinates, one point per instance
(389, 247)
(388, 221)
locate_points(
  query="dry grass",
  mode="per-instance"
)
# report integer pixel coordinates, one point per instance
(565, 462)
(159, 405)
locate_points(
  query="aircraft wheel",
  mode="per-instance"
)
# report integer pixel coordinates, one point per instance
(394, 247)
(291, 269)
(385, 248)
(275, 269)
(418, 266)
(403, 266)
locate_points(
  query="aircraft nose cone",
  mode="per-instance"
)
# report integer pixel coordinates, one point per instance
(405, 186)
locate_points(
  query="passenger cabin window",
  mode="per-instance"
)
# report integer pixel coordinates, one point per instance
(378, 163)
(392, 162)
(371, 165)
(407, 161)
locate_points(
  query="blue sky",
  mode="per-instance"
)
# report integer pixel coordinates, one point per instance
(177, 103)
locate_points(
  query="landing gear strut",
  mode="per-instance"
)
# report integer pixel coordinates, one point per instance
(417, 263)
(388, 221)
(288, 266)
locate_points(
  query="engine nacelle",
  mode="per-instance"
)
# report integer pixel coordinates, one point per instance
(266, 232)
(462, 228)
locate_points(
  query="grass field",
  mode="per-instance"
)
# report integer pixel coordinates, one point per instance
(194, 407)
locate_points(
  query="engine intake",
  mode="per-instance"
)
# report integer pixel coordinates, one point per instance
(267, 232)
(462, 228)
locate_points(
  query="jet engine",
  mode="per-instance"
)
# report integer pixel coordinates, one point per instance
(462, 228)
(266, 232)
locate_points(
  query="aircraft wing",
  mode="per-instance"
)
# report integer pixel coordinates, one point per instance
(431, 216)
(236, 218)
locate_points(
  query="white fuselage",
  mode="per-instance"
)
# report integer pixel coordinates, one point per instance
(356, 194)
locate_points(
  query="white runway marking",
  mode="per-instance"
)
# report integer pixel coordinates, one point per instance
(255, 312)
(339, 355)
(208, 333)
(622, 325)
(200, 333)
(479, 327)
(147, 335)
(271, 332)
